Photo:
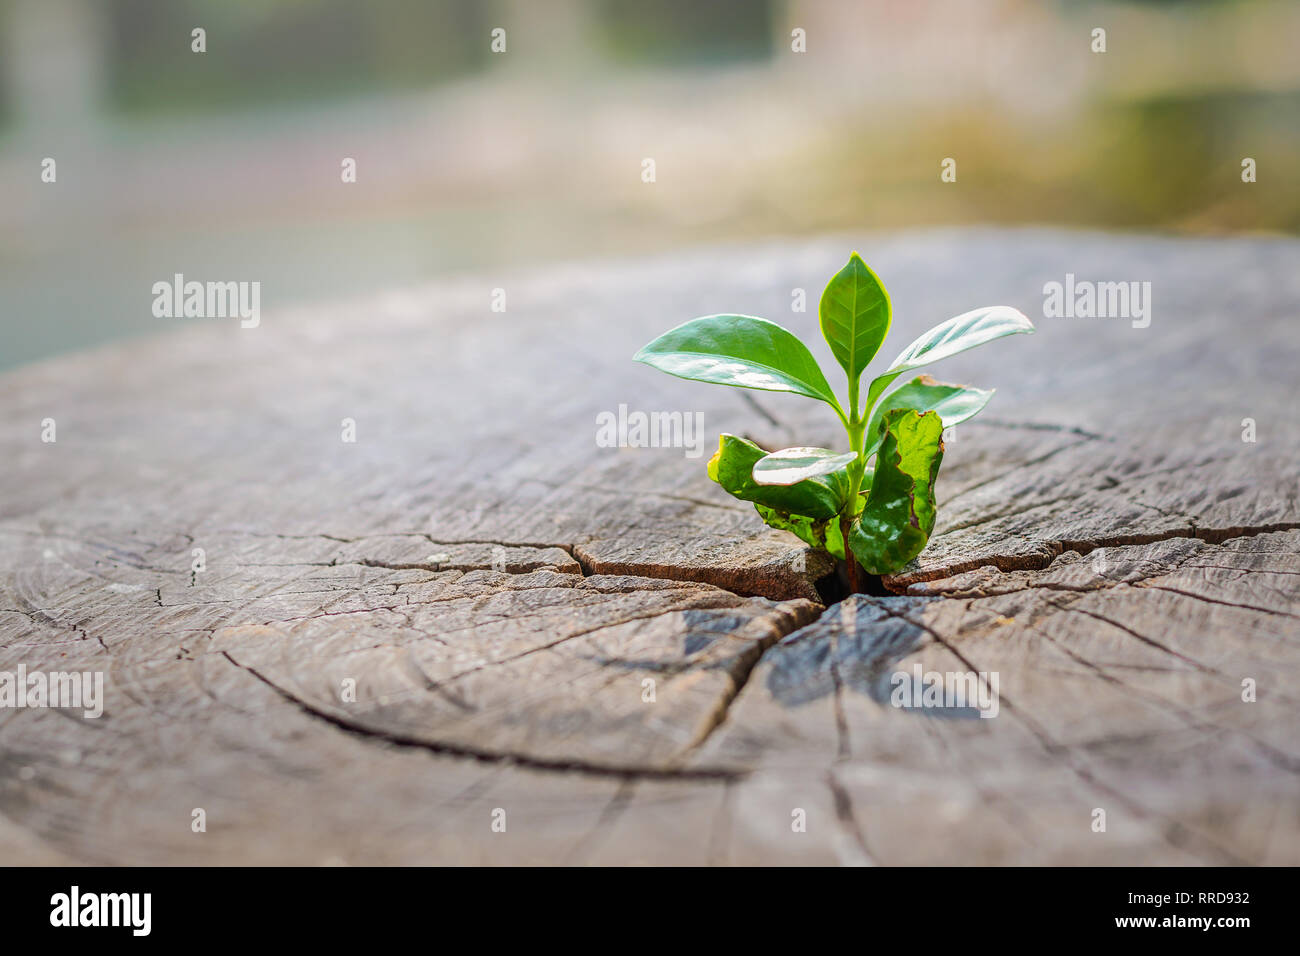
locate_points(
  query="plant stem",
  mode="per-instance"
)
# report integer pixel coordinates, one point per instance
(851, 563)
(856, 428)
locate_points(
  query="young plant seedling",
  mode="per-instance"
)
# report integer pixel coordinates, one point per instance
(883, 510)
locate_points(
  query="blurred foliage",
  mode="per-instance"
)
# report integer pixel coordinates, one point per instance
(1167, 162)
(1177, 160)
(262, 51)
(679, 32)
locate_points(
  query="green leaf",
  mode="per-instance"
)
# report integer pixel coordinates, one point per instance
(946, 339)
(823, 533)
(954, 403)
(732, 466)
(790, 465)
(899, 514)
(739, 350)
(854, 314)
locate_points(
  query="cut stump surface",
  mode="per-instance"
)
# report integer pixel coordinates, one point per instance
(474, 635)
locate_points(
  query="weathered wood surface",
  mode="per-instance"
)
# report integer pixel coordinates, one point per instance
(500, 587)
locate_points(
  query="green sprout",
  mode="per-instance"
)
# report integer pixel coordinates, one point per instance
(884, 510)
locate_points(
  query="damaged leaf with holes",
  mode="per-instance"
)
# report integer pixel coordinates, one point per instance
(871, 504)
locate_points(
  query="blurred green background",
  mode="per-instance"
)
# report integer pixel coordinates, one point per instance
(226, 164)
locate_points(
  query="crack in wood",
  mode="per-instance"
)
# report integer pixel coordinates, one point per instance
(1174, 832)
(703, 774)
(848, 821)
(1053, 549)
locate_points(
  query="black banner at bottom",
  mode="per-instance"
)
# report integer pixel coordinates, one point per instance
(337, 905)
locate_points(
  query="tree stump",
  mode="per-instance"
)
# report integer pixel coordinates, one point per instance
(474, 635)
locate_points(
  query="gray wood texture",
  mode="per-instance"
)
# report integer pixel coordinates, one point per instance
(500, 588)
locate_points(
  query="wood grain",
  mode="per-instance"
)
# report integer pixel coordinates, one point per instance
(601, 648)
